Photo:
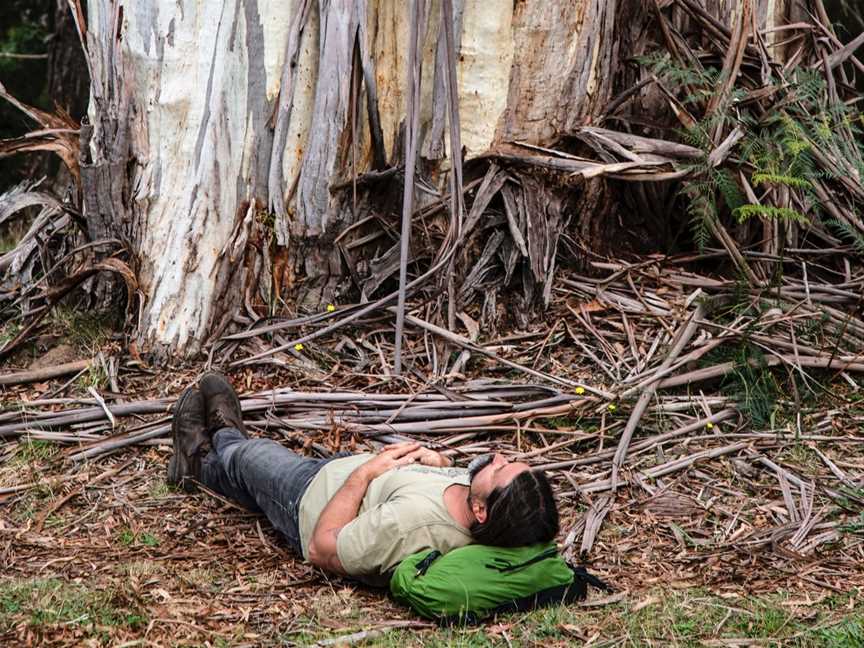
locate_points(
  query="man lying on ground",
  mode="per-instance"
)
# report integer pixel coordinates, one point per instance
(358, 515)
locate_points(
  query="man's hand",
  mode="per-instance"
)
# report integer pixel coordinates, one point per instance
(392, 456)
(421, 455)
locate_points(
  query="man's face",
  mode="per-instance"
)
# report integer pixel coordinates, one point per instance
(492, 471)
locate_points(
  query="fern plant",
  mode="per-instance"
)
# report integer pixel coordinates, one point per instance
(702, 209)
(776, 151)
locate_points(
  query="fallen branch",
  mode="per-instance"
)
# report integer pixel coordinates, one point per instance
(44, 373)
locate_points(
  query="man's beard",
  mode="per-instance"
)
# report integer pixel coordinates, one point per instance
(479, 463)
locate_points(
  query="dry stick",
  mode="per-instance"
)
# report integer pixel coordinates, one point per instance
(374, 633)
(685, 462)
(646, 443)
(464, 342)
(716, 371)
(732, 61)
(85, 415)
(44, 373)
(412, 126)
(63, 387)
(684, 338)
(833, 467)
(440, 426)
(67, 437)
(656, 374)
(57, 504)
(116, 443)
(665, 469)
(521, 456)
(457, 197)
(845, 52)
(6, 490)
(430, 406)
(593, 520)
(23, 57)
(598, 513)
(101, 402)
(278, 326)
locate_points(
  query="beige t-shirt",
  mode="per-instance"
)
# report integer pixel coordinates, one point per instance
(402, 512)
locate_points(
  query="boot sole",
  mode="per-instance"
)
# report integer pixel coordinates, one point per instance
(178, 466)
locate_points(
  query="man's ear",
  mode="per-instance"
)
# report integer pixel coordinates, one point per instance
(478, 508)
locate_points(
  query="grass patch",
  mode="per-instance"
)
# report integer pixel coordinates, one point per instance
(128, 538)
(848, 496)
(86, 330)
(848, 633)
(35, 451)
(8, 331)
(686, 618)
(563, 422)
(141, 569)
(752, 384)
(160, 490)
(95, 376)
(148, 540)
(854, 526)
(32, 503)
(802, 457)
(41, 603)
(201, 578)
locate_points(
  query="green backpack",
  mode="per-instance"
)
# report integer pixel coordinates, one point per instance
(477, 581)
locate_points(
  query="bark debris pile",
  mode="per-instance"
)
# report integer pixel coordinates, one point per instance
(663, 387)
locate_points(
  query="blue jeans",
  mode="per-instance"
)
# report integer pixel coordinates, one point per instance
(262, 476)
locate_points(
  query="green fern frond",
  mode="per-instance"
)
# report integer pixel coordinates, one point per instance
(753, 148)
(757, 389)
(702, 209)
(760, 178)
(822, 128)
(793, 139)
(810, 86)
(697, 137)
(846, 231)
(769, 211)
(728, 187)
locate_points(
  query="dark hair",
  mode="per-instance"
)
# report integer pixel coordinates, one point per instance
(521, 513)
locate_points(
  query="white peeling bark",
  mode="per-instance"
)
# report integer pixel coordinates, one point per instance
(339, 23)
(200, 76)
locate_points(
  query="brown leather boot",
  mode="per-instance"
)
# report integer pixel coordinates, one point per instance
(221, 404)
(189, 433)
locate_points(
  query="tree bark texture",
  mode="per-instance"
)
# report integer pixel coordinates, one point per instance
(225, 134)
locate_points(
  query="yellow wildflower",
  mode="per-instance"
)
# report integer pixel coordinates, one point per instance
(580, 390)
(330, 308)
(612, 407)
(709, 425)
(298, 347)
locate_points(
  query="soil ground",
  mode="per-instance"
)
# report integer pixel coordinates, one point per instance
(106, 553)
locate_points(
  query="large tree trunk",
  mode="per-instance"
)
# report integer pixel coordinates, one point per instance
(222, 132)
